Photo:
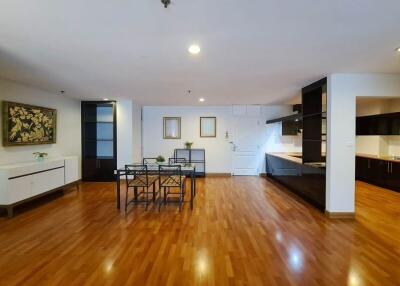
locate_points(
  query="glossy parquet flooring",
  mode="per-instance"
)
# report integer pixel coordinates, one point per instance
(242, 231)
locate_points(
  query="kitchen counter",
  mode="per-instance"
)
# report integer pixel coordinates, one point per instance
(306, 180)
(379, 157)
(296, 157)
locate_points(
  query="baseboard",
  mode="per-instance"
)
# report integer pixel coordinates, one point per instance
(340, 215)
(264, 175)
(218, 175)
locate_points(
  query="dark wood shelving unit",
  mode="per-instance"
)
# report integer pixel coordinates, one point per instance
(314, 121)
(99, 140)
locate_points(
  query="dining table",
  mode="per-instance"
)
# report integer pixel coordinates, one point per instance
(187, 169)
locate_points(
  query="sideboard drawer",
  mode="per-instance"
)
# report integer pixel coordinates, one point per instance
(19, 189)
(46, 181)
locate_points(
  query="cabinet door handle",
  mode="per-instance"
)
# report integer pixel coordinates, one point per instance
(388, 167)
(391, 167)
(369, 163)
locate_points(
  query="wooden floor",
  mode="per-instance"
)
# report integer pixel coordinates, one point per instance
(242, 231)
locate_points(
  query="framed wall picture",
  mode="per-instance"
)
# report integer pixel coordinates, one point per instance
(25, 124)
(208, 127)
(172, 128)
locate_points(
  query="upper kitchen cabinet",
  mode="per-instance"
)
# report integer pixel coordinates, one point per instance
(381, 124)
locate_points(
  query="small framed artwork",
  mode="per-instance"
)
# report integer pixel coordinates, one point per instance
(25, 124)
(208, 127)
(172, 128)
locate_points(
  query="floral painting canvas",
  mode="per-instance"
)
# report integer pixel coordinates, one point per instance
(27, 125)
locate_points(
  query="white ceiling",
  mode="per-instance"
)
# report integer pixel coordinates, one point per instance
(253, 51)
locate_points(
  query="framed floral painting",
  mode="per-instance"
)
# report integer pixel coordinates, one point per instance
(28, 125)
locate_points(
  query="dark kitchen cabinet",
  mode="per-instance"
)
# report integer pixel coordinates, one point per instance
(362, 166)
(290, 127)
(99, 144)
(379, 172)
(393, 179)
(381, 124)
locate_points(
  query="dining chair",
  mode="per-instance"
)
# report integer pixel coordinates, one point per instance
(137, 176)
(170, 179)
(172, 161)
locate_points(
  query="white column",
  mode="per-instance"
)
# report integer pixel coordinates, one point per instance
(124, 133)
(340, 171)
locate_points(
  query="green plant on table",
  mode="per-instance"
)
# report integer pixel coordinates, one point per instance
(160, 159)
(188, 145)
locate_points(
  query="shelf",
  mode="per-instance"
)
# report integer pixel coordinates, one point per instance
(315, 114)
(92, 121)
(95, 140)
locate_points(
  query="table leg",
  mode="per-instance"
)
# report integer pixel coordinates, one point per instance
(118, 191)
(192, 183)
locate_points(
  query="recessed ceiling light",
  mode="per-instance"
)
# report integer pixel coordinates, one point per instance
(201, 99)
(398, 49)
(194, 49)
(105, 99)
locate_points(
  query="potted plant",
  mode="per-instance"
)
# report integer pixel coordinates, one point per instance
(188, 145)
(39, 156)
(160, 159)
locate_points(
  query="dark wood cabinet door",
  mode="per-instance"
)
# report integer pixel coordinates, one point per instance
(362, 165)
(89, 170)
(290, 128)
(393, 180)
(106, 170)
(379, 172)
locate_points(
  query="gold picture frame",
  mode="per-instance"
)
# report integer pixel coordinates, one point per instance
(208, 127)
(25, 124)
(171, 127)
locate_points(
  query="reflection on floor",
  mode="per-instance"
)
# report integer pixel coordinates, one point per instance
(242, 231)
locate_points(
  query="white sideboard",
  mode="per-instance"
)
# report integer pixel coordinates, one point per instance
(25, 181)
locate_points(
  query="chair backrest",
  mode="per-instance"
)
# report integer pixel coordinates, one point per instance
(147, 161)
(177, 161)
(170, 175)
(136, 173)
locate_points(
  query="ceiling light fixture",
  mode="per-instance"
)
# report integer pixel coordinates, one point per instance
(201, 99)
(166, 3)
(194, 49)
(105, 99)
(398, 49)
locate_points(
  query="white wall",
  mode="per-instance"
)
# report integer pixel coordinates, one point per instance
(342, 92)
(68, 123)
(218, 150)
(378, 145)
(137, 132)
(128, 133)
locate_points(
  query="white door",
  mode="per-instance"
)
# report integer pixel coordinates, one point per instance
(245, 146)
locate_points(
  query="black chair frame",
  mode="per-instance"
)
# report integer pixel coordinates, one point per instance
(137, 176)
(171, 177)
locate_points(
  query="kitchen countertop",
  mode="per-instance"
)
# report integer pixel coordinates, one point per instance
(294, 157)
(288, 156)
(378, 157)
